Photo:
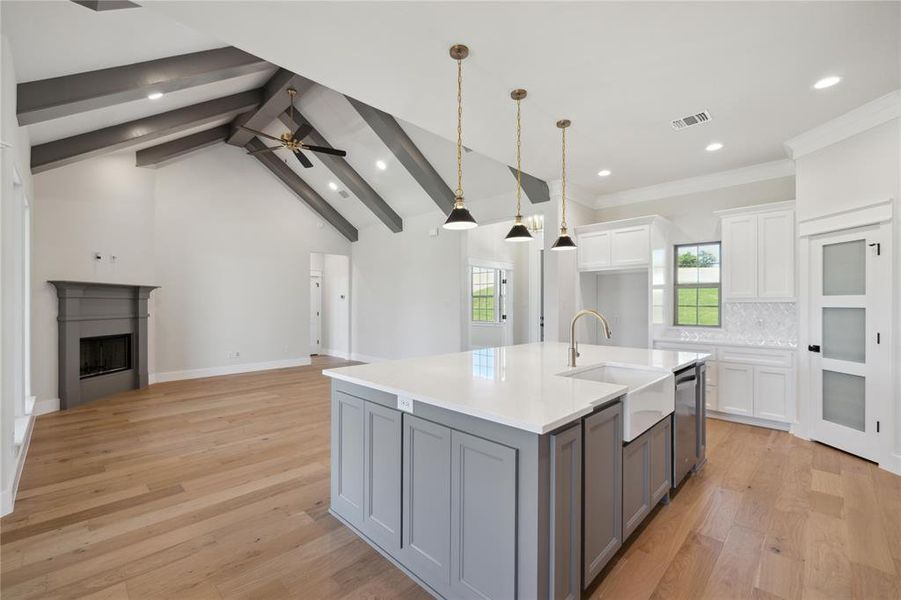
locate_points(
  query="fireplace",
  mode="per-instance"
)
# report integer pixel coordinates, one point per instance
(102, 339)
(105, 354)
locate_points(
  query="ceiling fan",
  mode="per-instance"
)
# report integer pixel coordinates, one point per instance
(294, 142)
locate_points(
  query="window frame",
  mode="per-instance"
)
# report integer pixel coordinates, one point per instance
(496, 296)
(677, 286)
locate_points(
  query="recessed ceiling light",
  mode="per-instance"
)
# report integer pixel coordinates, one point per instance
(154, 95)
(333, 186)
(827, 82)
(381, 165)
(713, 147)
(604, 173)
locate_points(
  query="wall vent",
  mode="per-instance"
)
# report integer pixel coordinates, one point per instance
(691, 120)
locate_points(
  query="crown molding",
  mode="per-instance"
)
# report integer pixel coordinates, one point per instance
(871, 114)
(702, 183)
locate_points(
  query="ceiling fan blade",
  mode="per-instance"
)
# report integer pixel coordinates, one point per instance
(259, 133)
(303, 131)
(325, 150)
(303, 159)
(269, 149)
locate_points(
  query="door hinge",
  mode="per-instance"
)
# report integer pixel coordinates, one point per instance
(504, 281)
(503, 317)
(878, 248)
(813, 348)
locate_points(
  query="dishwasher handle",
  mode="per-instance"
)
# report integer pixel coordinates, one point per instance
(687, 378)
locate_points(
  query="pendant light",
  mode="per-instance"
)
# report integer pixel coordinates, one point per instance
(564, 242)
(459, 217)
(519, 232)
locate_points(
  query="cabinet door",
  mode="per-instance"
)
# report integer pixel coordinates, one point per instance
(483, 518)
(566, 513)
(425, 546)
(381, 475)
(772, 393)
(631, 246)
(602, 524)
(594, 250)
(661, 469)
(347, 457)
(636, 483)
(776, 254)
(736, 388)
(739, 257)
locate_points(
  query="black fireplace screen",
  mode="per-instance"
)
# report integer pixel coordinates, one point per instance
(106, 354)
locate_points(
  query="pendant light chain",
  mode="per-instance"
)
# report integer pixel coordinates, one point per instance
(518, 161)
(459, 191)
(563, 190)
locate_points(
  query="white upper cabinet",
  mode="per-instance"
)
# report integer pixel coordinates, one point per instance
(758, 257)
(613, 247)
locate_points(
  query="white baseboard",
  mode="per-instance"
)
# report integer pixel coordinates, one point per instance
(893, 465)
(366, 358)
(47, 405)
(8, 496)
(336, 353)
(228, 369)
(749, 420)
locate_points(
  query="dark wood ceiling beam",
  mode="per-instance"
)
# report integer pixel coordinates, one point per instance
(79, 147)
(354, 182)
(275, 101)
(399, 143)
(302, 189)
(155, 156)
(57, 97)
(536, 189)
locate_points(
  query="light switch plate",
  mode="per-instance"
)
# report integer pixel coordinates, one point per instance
(405, 404)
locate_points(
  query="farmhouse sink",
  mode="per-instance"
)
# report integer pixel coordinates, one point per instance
(649, 398)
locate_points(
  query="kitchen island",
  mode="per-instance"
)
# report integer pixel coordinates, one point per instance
(501, 472)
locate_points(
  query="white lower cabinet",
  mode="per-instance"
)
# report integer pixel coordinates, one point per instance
(772, 392)
(736, 384)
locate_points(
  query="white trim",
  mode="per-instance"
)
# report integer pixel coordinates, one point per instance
(45, 406)
(859, 216)
(618, 224)
(229, 369)
(367, 358)
(335, 353)
(702, 183)
(851, 123)
(756, 209)
(8, 496)
(893, 464)
(756, 422)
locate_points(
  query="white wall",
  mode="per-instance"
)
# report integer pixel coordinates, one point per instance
(228, 244)
(407, 290)
(693, 214)
(857, 171)
(15, 157)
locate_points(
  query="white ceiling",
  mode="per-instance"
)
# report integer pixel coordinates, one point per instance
(621, 71)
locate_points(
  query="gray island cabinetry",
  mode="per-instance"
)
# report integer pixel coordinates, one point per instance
(487, 489)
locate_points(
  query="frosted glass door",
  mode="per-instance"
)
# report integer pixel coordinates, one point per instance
(841, 274)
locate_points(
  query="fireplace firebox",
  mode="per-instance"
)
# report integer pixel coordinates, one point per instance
(105, 354)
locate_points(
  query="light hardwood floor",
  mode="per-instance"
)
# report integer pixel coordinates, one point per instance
(218, 488)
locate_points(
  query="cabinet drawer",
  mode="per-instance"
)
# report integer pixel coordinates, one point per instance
(753, 356)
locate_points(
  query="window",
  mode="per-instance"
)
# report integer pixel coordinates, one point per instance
(697, 287)
(487, 294)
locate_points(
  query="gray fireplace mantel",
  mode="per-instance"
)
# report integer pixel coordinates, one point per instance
(90, 309)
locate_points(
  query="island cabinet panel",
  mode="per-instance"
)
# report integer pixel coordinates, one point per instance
(427, 501)
(381, 475)
(602, 524)
(566, 513)
(647, 468)
(483, 524)
(347, 457)
(661, 448)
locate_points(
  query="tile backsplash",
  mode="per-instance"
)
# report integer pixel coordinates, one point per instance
(752, 323)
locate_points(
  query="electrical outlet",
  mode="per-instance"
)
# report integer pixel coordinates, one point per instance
(405, 404)
(234, 354)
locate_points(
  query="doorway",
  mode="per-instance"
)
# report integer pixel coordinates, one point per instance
(850, 329)
(329, 313)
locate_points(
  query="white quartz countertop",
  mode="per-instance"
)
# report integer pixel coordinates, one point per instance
(523, 386)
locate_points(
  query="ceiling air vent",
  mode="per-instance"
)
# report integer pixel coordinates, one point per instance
(701, 117)
(343, 194)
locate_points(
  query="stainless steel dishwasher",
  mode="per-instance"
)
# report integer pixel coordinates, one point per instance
(685, 424)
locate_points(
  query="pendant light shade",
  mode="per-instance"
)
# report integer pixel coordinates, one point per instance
(459, 217)
(564, 242)
(519, 232)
